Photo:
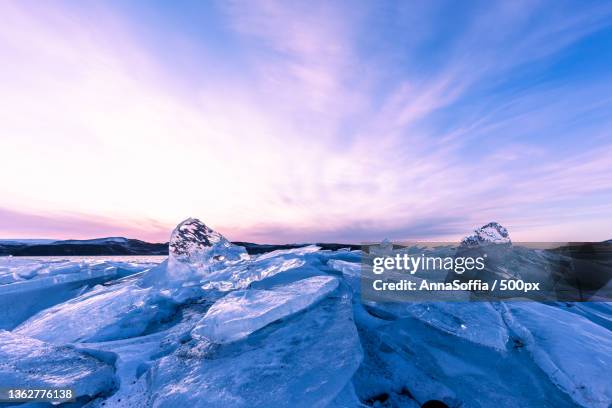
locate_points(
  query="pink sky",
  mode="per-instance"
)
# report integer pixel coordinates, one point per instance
(276, 124)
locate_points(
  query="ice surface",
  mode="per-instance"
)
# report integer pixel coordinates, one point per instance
(135, 356)
(350, 270)
(304, 362)
(242, 312)
(212, 280)
(213, 327)
(409, 359)
(599, 313)
(478, 322)
(103, 314)
(347, 398)
(39, 272)
(243, 274)
(30, 363)
(573, 351)
(28, 286)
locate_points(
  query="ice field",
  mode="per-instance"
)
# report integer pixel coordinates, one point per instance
(212, 326)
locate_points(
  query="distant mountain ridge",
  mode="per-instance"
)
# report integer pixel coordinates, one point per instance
(123, 246)
(86, 247)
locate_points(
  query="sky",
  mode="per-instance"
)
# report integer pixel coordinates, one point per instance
(295, 121)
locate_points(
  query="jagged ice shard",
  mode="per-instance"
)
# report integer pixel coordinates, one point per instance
(242, 312)
(198, 256)
(196, 251)
(193, 243)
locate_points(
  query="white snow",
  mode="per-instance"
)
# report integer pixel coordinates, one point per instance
(242, 312)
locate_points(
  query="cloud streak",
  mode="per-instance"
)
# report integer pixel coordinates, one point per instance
(323, 121)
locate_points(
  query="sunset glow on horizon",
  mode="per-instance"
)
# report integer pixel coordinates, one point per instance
(292, 122)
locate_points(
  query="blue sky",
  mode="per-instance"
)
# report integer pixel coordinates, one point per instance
(297, 121)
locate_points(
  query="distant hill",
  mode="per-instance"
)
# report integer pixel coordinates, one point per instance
(123, 246)
(88, 247)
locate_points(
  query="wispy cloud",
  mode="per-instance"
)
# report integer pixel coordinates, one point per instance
(342, 121)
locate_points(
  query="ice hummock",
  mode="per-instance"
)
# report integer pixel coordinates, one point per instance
(196, 254)
(491, 233)
(242, 312)
(194, 243)
(204, 263)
